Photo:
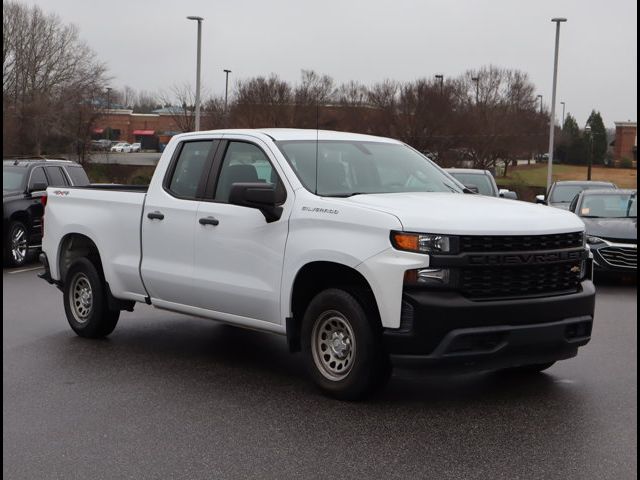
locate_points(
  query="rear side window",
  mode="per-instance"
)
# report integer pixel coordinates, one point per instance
(56, 177)
(189, 169)
(78, 176)
(37, 176)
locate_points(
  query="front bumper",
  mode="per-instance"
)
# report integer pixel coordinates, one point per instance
(446, 330)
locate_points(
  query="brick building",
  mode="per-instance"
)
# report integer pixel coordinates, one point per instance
(152, 130)
(626, 141)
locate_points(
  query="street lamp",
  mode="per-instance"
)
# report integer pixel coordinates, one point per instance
(587, 130)
(441, 78)
(552, 118)
(199, 20)
(477, 81)
(226, 89)
(108, 127)
(540, 97)
(563, 107)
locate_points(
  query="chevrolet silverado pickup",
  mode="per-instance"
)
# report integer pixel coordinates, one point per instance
(359, 250)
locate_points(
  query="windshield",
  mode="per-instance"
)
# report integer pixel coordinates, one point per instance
(348, 168)
(566, 193)
(483, 182)
(13, 178)
(614, 205)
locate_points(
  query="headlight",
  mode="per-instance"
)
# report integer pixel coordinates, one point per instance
(594, 240)
(422, 242)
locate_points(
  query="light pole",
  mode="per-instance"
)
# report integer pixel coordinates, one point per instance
(552, 117)
(108, 127)
(563, 107)
(587, 130)
(540, 97)
(477, 81)
(440, 77)
(226, 89)
(199, 20)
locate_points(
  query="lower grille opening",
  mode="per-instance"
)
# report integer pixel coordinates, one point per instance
(478, 342)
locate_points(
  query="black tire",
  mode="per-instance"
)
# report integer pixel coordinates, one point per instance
(85, 301)
(16, 245)
(534, 368)
(357, 365)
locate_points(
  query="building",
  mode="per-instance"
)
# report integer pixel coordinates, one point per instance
(626, 142)
(152, 130)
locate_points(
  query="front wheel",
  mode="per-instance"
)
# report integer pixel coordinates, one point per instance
(85, 301)
(342, 348)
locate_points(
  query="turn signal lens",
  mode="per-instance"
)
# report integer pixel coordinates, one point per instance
(406, 241)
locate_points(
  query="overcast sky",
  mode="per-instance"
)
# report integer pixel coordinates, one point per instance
(150, 45)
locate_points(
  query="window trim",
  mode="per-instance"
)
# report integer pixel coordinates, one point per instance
(206, 169)
(216, 168)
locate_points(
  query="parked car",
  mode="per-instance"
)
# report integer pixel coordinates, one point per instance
(359, 250)
(23, 185)
(100, 145)
(122, 147)
(561, 194)
(482, 180)
(611, 220)
(135, 147)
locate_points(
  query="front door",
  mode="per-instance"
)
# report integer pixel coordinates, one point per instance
(239, 256)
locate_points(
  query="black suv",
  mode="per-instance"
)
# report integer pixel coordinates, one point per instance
(23, 185)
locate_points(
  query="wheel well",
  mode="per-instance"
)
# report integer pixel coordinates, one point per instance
(74, 246)
(317, 276)
(21, 216)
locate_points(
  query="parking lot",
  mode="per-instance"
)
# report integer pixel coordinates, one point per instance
(167, 396)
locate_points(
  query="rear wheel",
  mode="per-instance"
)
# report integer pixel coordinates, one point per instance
(342, 348)
(85, 301)
(16, 250)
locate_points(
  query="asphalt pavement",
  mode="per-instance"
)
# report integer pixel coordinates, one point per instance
(173, 397)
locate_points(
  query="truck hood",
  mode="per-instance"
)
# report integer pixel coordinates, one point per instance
(455, 213)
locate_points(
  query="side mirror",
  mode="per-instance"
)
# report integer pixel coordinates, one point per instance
(509, 194)
(38, 187)
(540, 199)
(472, 188)
(262, 196)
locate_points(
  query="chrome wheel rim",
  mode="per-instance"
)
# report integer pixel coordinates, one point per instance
(19, 244)
(81, 297)
(333, 345)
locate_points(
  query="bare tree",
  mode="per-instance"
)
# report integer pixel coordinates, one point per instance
(180, 105)
(47, 71)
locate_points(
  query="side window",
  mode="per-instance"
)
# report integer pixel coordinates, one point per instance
(245, 163)
(37, 176)
(78, 175)
(189, 169)
(56, 177)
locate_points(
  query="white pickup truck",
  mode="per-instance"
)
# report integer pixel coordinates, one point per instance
(361, 251)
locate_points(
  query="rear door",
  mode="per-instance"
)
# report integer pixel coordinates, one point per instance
(238, 255)
(169, 221)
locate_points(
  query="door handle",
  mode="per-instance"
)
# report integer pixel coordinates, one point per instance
(155, 216)
(209, 221)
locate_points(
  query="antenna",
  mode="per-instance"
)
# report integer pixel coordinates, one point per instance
(317, 134)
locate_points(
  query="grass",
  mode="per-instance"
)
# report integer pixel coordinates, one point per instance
(536, 175)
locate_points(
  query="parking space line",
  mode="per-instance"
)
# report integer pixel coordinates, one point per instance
(25, 270)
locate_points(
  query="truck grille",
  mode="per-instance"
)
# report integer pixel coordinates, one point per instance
(520, 243)
(521, 281)
(625, 257)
